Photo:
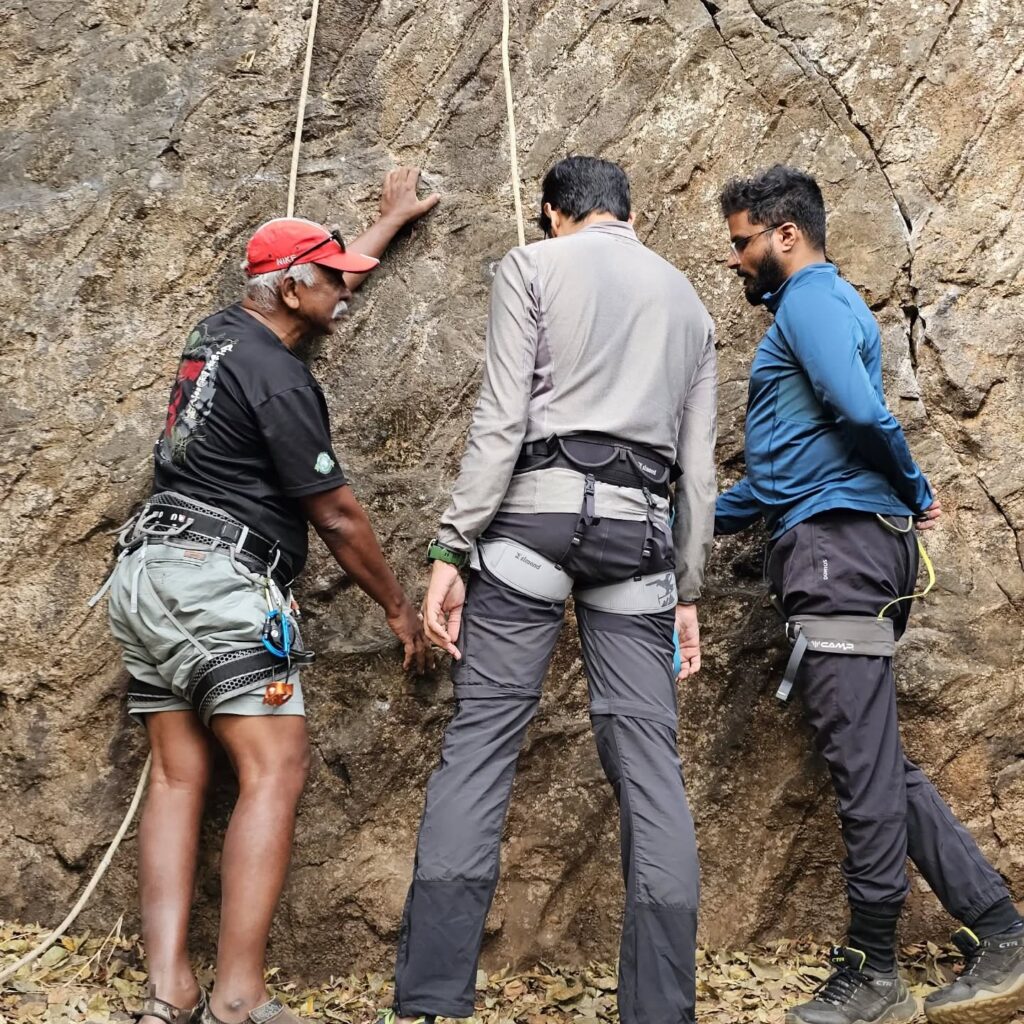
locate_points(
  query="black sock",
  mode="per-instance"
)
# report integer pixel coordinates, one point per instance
(873, 931)
(1000, 917)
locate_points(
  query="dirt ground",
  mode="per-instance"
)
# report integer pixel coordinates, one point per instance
(99, 979)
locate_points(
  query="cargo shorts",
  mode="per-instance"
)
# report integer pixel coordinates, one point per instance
(188, 621)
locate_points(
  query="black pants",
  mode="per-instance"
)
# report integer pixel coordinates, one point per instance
(848, 563)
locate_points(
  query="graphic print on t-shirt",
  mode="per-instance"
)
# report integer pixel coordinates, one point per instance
(192, 393)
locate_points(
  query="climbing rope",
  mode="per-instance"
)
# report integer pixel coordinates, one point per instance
(300, 115)
(513, 150)
(50, 939)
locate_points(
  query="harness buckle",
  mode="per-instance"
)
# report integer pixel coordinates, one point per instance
(588, 501)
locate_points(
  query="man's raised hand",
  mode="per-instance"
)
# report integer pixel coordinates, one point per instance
(399, 202)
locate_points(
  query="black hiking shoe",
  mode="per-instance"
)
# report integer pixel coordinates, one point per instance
(852, 996)
(990, 988)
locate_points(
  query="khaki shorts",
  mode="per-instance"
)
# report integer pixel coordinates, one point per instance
(193, 637)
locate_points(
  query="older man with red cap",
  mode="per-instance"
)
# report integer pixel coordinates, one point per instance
(201, 605)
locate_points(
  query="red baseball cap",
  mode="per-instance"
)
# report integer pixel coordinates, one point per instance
(288, 241)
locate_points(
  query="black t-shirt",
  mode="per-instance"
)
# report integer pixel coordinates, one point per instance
(247, 430)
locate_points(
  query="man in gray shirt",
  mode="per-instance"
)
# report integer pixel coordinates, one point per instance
(598, 395)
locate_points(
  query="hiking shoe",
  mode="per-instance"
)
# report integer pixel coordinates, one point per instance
(990, 988)
(853, 996)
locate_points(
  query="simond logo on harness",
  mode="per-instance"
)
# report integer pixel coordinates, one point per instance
(520, 557)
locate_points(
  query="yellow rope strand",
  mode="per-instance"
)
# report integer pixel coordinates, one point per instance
(924, 559)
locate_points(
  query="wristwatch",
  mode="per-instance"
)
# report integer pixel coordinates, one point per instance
(438, 552)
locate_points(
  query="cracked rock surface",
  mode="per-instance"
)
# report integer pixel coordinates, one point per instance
(142, 143)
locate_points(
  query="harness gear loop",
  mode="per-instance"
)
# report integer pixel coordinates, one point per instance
(929, 567)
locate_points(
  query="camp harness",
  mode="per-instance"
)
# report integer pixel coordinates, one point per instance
(863, 635)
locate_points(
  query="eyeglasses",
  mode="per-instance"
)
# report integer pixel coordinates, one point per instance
(738, 245)
(334, 235)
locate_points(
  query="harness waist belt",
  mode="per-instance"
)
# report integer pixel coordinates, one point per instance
(606, 458)
(210, 530)
(863, 635)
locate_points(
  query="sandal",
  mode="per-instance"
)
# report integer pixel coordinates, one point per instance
(165, 1011)
(272, 1010)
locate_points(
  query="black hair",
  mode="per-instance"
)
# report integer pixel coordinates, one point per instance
(778, 195)
(580, 185)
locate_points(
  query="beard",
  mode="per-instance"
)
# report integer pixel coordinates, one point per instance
(768, 277)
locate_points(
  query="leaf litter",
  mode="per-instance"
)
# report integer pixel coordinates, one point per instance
(97, 979)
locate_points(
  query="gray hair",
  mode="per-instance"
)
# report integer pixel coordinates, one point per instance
(263, 289)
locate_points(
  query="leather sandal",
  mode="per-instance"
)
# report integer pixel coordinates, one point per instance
(273, 1010)
(170, 1014)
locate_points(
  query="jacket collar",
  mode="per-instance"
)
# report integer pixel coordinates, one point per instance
(773, 299)
(611, 227)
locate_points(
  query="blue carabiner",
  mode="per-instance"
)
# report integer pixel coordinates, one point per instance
(286, 641)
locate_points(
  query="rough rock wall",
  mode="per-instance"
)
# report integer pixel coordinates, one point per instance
(141, 142)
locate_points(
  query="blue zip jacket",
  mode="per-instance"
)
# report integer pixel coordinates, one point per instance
(818, 433)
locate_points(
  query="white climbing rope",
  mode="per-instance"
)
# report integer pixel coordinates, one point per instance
(133, 807)
(101, 868)
(512, 147)
(300, 115)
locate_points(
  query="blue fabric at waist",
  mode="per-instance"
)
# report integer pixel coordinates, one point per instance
(826, 501)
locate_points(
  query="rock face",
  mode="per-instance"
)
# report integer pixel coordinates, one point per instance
(143, 142)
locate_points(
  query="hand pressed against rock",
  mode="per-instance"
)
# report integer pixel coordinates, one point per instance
(399, 201)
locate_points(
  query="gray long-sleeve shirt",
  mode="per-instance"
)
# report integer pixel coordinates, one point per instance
(594, 332)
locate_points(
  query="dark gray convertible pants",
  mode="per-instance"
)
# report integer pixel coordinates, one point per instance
(507, 640)
(848, 563)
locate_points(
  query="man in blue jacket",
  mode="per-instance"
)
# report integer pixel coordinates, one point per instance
(830, 473)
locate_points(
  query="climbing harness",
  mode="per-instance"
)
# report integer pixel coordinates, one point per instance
(528, 572)
(610, 460)
(606, 458)
(598, 458)
(217, 677)
(862, 635)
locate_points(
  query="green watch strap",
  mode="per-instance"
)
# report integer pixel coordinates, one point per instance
(438, 552)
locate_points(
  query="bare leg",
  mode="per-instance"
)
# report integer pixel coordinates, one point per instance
(168, 847)
(271, 759)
